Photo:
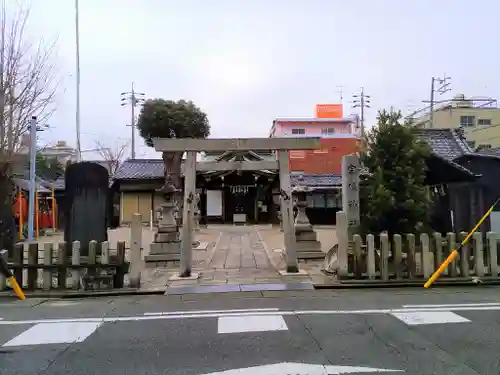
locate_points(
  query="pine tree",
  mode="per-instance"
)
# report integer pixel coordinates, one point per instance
(395, 197)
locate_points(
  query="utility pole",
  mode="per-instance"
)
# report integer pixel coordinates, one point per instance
(362, 101)
(33, 128)
(341, 93)
(2, 86)
(77, 114)
(440, 86)
(133, 98)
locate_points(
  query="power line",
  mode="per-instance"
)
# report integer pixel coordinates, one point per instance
(438, 86)
(133, 99)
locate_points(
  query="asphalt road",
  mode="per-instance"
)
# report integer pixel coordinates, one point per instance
(447, 331)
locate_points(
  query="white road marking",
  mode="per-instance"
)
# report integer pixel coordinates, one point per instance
(196, 314)
(300, 369)
(450, 306)
(209, 311)
(429, 317)
(60, 304)
(54, 333)
(251, 323)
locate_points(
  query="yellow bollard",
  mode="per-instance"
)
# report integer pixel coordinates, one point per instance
(454, 253)
(4, 270)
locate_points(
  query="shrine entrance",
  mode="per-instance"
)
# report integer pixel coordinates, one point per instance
(281, 146)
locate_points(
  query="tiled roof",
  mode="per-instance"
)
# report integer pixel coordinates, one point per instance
(146, 169)
(25, 185)
(140, 169)
(317, 180)
(490, 152)
(445, 143)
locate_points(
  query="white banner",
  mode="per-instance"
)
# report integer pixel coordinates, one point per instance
(214, 202)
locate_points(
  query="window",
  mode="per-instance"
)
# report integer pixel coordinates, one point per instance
(321, 151)
(315, 200)
(484, 121)
(467, 121)
(297, 154)
(472, 144)
(298, 131)
(333, 201)
(328, 131)
(484, 147)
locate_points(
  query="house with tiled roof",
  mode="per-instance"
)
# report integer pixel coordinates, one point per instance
(222, 193)
(475, 198)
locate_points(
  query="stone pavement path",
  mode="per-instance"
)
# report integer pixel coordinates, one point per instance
(239, 257)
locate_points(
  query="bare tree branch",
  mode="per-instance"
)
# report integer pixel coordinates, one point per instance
(113, 155)
(30, 80)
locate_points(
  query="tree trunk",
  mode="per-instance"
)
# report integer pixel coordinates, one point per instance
(172, 172)
(172, 175)
(7, 220)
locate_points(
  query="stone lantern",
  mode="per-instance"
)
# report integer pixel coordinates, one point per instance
(166, 245)
(308, 246)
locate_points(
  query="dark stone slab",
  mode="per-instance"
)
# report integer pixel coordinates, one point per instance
(276, 287)
(226, 288)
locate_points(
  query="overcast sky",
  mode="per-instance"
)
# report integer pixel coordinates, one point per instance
(246, 62)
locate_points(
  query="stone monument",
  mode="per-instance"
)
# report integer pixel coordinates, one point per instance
(166, 245)
(308, 246)
(348, 220)
(351, 168)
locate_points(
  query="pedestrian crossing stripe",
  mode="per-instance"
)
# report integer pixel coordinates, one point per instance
(54, 333)
(413, 318)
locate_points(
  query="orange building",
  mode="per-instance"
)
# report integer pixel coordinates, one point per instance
(338, 138)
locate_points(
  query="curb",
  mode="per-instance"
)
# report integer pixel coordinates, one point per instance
(362, 284)
(87, 294)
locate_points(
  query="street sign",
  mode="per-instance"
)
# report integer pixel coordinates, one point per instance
(286, 368)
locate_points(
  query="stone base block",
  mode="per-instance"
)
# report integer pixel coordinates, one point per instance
(300, 228)
(201, 246)
(308, 255)
(306, 236)
(166, 237)
(162, 257)
(162, 264)
(167, 228)
(299, 273)
(177, 277)
(165, 248)
(308, 246)
(309, 250)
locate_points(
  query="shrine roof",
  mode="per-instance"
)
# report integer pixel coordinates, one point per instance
(445, 143)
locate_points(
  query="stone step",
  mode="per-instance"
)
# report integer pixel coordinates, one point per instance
(310, 255)
(308, 246)
(307, 236)
(165, 248)
(162, 257)
(166, 237)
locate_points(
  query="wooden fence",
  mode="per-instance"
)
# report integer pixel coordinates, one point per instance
(409, 257)
(50, 267)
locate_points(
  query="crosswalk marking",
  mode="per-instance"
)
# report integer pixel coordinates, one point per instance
(251, 323)
(413, 318)
(54, 333)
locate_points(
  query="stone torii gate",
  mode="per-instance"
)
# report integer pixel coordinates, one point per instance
(193, 146)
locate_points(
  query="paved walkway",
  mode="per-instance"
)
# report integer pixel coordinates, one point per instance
(239, 257)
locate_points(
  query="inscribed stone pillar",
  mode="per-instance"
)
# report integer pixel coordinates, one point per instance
(350, 193)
